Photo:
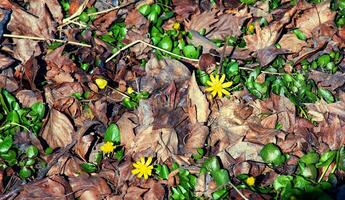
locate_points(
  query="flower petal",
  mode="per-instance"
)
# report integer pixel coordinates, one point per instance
(140, 175)
(225, 92)
(146, 176)
(142, 160)
(214, 93)
(209, 83)
(217, 78)
(136, 165)
(222, 79)
(213, 80)
(149, 160)
(220, 94)
(227, 84)
(209, 89)
(135, 171)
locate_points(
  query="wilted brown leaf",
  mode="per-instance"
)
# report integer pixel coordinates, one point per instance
(329, 81)
(89, 187)
(198, 99)
(48, 188)
(59, 130)
(5, 61)
(28, 97)
(196, 138)
(202, 20)
(290, 42)
(184, 8)
(227, 25)
(314, 17)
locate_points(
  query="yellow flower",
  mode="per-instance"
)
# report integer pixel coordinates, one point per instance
(218, 86)
(130, 90)
(101, 83)
(250, 181)
(251, 28)
(107, 147)
(143, 168)
(176, 26)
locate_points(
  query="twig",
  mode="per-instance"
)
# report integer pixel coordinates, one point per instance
(175, 55)
(15, 124)
(238, 191)
(44, 39)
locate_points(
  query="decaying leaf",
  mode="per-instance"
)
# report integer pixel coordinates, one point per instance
(314, 17)
(199, 100)
(59, 130)
(325, 80)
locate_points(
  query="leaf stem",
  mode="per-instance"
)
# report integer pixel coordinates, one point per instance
(44, 39)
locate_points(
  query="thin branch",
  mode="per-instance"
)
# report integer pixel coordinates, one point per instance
(44, 39)
(238, 191)
(175, 55)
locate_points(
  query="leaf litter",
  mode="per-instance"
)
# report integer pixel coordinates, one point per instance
(285, 62)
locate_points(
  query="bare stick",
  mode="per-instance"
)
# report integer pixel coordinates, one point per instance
(44, 39)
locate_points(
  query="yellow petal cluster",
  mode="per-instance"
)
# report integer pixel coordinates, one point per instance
(107, 147)
(217, 86)
(101, 83)
(142, 168)
(250, 181)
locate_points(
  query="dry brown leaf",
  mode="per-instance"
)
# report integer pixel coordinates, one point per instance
(245, 150)
(104, 21)
(134, 193)
(48, 188)
(134, 18)
(329, 81)
(268, 35)
(156, 191)
(314, 17)
(198, 99)
(184, 8)
(228, 127)
(202, 20)
(9, 83)
(227, 25)
(162, 72)
(290, 42)
(28, 97)
(196, 138)
(5, 61)
(58, 131)
(167, 144)
(68, 166)
(127, 124)
(89, 187)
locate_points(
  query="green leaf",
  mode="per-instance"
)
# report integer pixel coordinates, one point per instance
(308, 171)
(271, 154)
(282, 181)
(299, 34)
(219, 194)
(326, 159)
(6, 144)
(301, 183)
(145, 9)
(221, 177)
(112, 134)
(341, 159)
(310, 158)
(13, 117)
(163, 171)
(323, 60)
(88, 167)
(25, 172)
(326, 95)
(39, 109)
(211, 164)
(32, 151)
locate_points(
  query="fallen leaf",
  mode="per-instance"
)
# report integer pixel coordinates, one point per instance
(196, 138)
(199, 100)
(290, 42)
(28, 97)
(184, 8)
(227, 25)
(5, 61)
(314, 17)
(127, 124)
(9, 83)
(268, 54)
(134, 193)
(202, 20)
(58, 131)
(89, 187)
(328, 81)
(50, 187)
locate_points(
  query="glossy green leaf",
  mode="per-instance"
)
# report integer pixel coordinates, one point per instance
(112, 134)
(310, 158)
(221, 177)
(32, 151)
(25, 172)
(299, 34)
(6, 144)
(220, 194)
(271, 154)
(212, 164)
(282, 181)
(326, 159)
(88, 167)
